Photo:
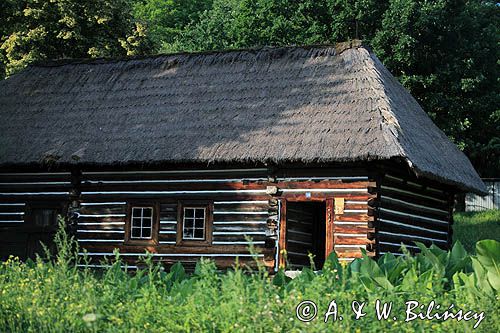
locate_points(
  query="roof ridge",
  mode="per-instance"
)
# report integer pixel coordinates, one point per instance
(339, 47)
(389, 120)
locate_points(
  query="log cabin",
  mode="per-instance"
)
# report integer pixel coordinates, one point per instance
(298, 150)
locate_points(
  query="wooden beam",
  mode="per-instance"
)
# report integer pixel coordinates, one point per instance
(282, 237)
(329, 242)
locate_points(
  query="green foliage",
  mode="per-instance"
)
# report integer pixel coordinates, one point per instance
(446, 53)
(355, 19)
(470, 227)
(245, 23)
(488, 255)
(166, 19)
(56, 296)
(226, 24)
(34, 30)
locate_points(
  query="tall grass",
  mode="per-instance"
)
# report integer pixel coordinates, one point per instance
(56, 296)
(471, 227)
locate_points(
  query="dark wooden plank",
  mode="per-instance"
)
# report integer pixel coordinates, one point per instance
(343, 240)
(354, 229)
(330, 218)
(102, 210)
(354, 218)
(283, 235)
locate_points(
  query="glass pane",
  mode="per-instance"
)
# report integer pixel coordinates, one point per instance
(188, 212)
(136, 212)
(146, 233)
(188, 233)
(200, 213)
(136, 222)
(199, 223)
(146, 223)
(198, 233)
(147, 212)
(136, 232)
(188, 223)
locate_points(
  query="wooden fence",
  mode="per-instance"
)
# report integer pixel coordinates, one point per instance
(475, 202)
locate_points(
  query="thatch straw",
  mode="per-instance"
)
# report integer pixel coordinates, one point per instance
(308, 105)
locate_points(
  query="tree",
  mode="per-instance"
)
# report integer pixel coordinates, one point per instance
(355, 19)
(248, 23)
(10, 10)
(40, 29)
(445, 52)
(167, 18)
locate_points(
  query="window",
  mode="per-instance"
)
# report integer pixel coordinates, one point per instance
(45, 217)
(141, 224)
(194, 222)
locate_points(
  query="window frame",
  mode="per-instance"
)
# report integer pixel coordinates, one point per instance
(208, 206)
(31, 207)
(154, 220)
(142, 218)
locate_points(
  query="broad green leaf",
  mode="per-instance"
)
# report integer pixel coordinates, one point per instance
(178, 272)
(481, 277)
(488, 254)
(280, 279)
(369, 269)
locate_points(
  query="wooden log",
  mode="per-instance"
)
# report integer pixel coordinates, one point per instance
(349, 206)
(360, 240)
(282, 235)
(329, 229)
(354, 218)
(356, 229)
(321, 196)
(353, 254)
(174, 249)
(101, 210)
(324, 185)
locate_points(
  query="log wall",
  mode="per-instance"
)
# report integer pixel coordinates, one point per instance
(247, 206)
(20, 195)
(411, 211)
(244, 212)
(240, 209)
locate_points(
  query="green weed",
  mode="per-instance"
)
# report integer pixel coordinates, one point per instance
(53, 295)
(471, 227)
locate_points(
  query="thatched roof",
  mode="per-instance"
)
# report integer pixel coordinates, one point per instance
(296, 104)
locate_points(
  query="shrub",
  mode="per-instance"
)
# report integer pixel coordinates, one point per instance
(57, 296)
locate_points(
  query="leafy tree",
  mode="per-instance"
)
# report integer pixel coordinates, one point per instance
(446, 53)
(247, 23)
(40, 29)
(355, 19)
(9, 13)
(167, 18)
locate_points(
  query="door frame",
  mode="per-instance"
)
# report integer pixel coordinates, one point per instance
(329, 228)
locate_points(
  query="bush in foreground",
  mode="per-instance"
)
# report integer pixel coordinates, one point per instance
(56, 296)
